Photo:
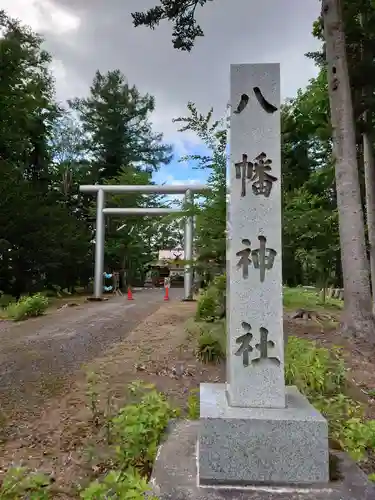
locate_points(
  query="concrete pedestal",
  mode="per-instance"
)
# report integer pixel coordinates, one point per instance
(175, 476)
(242, 446)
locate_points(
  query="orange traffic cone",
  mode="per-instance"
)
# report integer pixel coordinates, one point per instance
(130, 295)
(166, 296)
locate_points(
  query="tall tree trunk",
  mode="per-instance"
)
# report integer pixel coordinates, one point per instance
(358, 320)
(369, 168)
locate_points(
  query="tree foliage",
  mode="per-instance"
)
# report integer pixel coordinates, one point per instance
(47, 151)
(181, 13)
(310, 224)
(115, 121)
(347, 29)
(211, 214)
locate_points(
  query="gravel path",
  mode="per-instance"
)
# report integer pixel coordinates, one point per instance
(37, 355)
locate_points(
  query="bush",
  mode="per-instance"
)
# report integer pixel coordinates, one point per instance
(211, 342)
(209, 349)
(207, 305)
(193, 405)
(220, 284)
(138, 427)
(317, 372)
(312, 369)
(338, 410)
(211, 303)
(128, 485)
(27, 307)
(19, 483)
(320, 375)
(358, 437)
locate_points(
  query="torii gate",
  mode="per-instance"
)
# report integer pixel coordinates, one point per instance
(101, 211)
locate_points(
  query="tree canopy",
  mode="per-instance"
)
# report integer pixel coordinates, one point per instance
(47, 150)
(327, 129)
(181, 13)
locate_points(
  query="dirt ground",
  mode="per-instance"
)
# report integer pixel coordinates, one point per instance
(63, 440)
(37, 356)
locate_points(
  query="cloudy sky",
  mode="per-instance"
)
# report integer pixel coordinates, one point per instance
(86, 35)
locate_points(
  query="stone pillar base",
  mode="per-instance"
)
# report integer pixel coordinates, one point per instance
(249, 446)
(174, 475)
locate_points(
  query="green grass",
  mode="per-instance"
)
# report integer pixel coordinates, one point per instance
(318, 372)
(11, 309)
(27, 307)
(299, 298)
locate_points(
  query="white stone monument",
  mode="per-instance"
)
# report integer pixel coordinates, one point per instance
(254, 250)
(254, 429)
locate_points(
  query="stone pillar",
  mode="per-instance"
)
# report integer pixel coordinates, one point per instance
(255, 368)
(253, 429)
(99, 245)
(188, 250)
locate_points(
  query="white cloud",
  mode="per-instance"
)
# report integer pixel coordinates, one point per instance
(183, 145)
(42, 15)
(47, 18)
(162, 120)
(171, 179)
(86, 35)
